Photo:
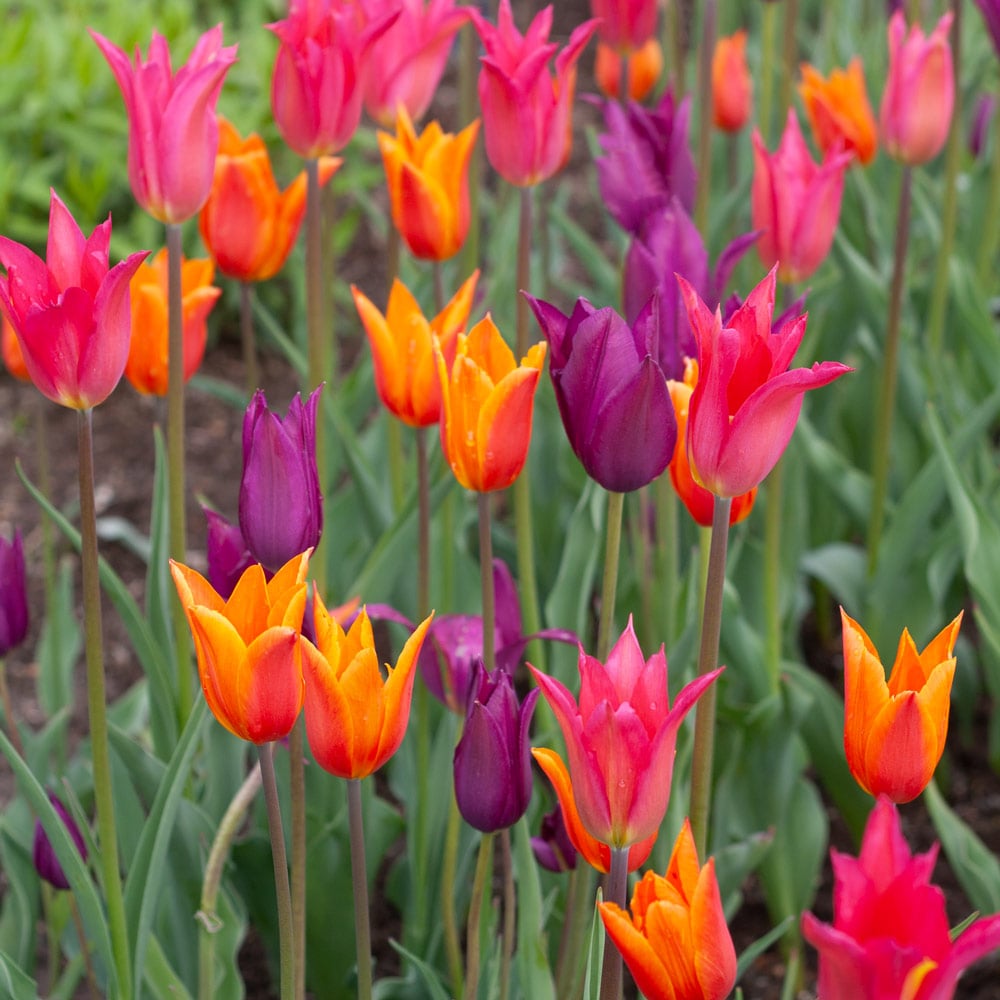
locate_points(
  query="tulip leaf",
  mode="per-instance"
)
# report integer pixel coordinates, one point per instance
(435, 991)
(752, 951)
(14, 983)
(595, 954)
(160, 977)
(20, 903)
(532, 958)
(58, 646)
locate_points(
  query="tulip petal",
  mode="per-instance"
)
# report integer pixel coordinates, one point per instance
(650, 974)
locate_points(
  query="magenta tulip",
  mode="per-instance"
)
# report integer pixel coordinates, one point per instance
(70, 312)
(43, 855)
(625, 25)
(226, 553)
(13, 594)
(746, 403)
(173, 129)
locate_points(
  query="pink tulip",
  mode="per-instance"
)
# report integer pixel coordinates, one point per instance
(919, 94)
(173, 130)
(795, 203)
(70, 312)
(625, 25)
(746, 403)
(890, 935)
(621, 738)
(407, 61)
(526, 113)
(319, 73)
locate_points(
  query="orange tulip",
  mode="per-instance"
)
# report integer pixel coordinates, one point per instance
(594, 852)
(839, 111)
(645, 65)
(487, 405)
(732, 88)
(249, 648)
(355, 720)
(146, 367)
(10, 350)
(675, 941)
(248, 224)
(894, 733)
(699, 501)
(428, 179)
(402, 343)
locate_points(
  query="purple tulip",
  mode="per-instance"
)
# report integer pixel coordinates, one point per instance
(281, 507)
(553, 849)
(13, 594)
(493, 757)
(44, 857)
(611, 391)
(990, 9)
(227, 554)
(647, 159)
(981, 120)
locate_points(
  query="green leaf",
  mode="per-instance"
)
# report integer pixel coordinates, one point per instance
(761, 945)
(532, 952)
(58, 646)
(436, 990)
(14, 983)
(160, 977)
(595, 954)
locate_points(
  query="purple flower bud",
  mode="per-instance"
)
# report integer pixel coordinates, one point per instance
(281, 507)
(44, 857)
(553, 848)
(493, 757)
(13, 594)
(227, 553)
(981, 120)
(611, 391)
(990, 9)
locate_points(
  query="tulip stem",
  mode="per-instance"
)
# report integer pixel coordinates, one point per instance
(438, 273)
(475, 909)
(317, 339)
(175, 459)
(92, 988)
(97, 710)
(452, 946)
(579, 914)
(789, 63)
(359, 876)
(250, 370)
(208, 920)
(609, 587)
(890, 364)
(286, 942)
(768, 30)
(8, 710)
(704, 720)
(509, 912)
(665, 499)
(468, 71)
(611, 972)
(297, 790)
(486, 578)
(991, 231)
(773, 528)
(705, 116)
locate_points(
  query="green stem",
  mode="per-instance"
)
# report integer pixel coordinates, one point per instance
(318, 359)
(611, 974)
(97, 710)
(438, 274)
(890, 364)
(509, 913)
(486, 579)
(789, 64)
(397, 471)
(990, 238)
(768, 30)
(468, 102)
(8, 710)
(773, 529)
(251, 373)
(708, 657)
(92, 989)
(209, 923)
(449, 865)
(667, 571)
(475, 909)
(297, 790)
(359, 876)
(286, 942)
(705, 115)
(579, 914)
(609, 587)
(423, 528)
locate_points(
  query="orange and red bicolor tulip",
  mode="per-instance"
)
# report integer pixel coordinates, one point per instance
(732, 87)
(355, 719)
(675, 941)
(146, 367)
(248, 224)
(249, 648)
(645, 64)
(894, 732)
(487, 403)
(839, 111)
(402, 343)
(700, 502)
(428, 180)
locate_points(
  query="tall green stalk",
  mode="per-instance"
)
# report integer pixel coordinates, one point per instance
(468, 69)
(479, 885)
(990, 240)
(708, 657)
(790, 62)
(611, 972)
(449, 865)
(768, 30)
(609, 587)
(97, 710)
(705, 115)
(486, 578)
(251, 372)
(299, 883)
(318, 340)
(773, 529)
(359, 877)
(509, 912)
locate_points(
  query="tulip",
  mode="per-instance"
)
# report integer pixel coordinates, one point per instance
(795, 202)
(675, 940)
(620, 738)
(319, 74)
(611, 392)
(493, 758)
(647, 160)
(894, 733)
(919, 94)
(70, 312)
(990, 9)
(839, 112)
(487, 402)
(699, 502)
(43, 855)
(890, 934)
(226, 553)
(13, 594)
(526, 112)
(744, 408)
(173, 131)
(355, 720)
(402, 343)
(732, 87)
(552, 848)
(407, 62)
(10, 350)
(982, 118)
(645, 64)
(247, 223)
(146, 367)
(249, 647)
(281, 507)
(625, 24)
(428, 179)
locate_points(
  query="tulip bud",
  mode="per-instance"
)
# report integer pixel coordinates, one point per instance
(13, 594)
(226, 552)
(732, 86)
(42, 854)
(553, 849)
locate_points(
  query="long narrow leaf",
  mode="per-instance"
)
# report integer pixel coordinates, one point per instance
(532, 960)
